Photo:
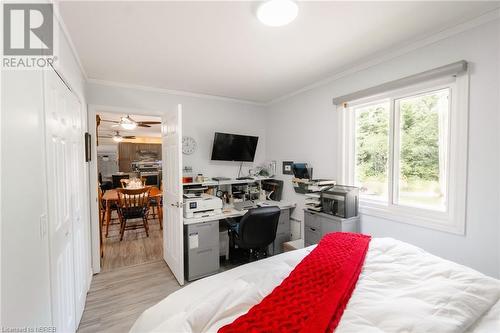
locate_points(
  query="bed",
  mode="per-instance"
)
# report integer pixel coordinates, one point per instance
(401, 288)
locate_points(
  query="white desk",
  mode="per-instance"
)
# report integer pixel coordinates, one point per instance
(201, 239)
(231, 212)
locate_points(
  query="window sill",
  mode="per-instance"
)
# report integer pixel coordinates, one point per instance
(414, 216)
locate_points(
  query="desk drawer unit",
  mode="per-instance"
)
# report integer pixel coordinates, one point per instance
(311, 219)
(316, 225)
(311, 235)
(284, 222)
(201, 249)
(207, 233)
(282, 233)
(202, 262)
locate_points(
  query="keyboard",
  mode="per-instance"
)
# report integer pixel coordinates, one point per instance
(246, 205)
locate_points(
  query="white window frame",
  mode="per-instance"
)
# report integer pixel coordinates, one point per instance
(453, 218)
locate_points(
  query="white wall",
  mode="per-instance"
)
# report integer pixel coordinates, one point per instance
(25, 271)
(303, 128)
(201, 118)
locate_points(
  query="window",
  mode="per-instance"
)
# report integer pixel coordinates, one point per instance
(406, 151)
(372, 150)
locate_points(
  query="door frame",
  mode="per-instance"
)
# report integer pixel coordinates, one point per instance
(93, 110)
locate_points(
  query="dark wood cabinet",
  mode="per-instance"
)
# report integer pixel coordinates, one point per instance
(129, 152)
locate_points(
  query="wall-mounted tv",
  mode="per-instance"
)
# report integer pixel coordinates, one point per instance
(234, 147)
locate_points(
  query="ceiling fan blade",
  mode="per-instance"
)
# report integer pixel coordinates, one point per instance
(149, 122)
(110, 121)
(105, 136)
(129, 137)
(143, 125)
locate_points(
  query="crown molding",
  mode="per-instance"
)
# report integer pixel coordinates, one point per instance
(397, 52)
(379, 58)
(65, 32)
(172, 92)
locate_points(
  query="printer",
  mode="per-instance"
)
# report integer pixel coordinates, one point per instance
(202, 206)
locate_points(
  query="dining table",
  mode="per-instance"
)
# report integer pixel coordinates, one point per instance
(110, 197)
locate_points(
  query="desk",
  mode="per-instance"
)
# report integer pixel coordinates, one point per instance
(111, 196)
(201, 239)
(231, 212)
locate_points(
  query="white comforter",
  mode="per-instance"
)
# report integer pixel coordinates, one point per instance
(401, 289)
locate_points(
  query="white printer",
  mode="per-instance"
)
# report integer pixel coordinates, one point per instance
(202, 206)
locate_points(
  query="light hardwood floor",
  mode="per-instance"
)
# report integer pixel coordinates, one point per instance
(133, 277)
(135, 248)
(118, 297)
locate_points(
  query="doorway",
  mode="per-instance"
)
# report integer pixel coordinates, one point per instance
(171, 192)
(129, 158)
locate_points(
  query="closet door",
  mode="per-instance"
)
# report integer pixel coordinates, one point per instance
(58, 120)
(68, 237)
(81, 250)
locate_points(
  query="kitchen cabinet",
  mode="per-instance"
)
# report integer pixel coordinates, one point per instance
(129, 152)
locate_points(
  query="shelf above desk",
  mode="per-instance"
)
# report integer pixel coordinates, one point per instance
(226, 182)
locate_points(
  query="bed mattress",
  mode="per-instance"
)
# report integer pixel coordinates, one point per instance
(401, 288)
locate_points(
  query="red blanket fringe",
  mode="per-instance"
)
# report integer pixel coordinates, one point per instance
(313, 297)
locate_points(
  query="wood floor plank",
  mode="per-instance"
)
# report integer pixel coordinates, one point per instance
(118, 297)
(133, 278)
(135, 248)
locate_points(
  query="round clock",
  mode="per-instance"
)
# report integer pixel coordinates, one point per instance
(188, 145)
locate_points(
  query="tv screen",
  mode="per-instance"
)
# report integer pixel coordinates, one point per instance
(234, 147)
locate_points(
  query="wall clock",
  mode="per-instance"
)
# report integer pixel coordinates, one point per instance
(188, 145)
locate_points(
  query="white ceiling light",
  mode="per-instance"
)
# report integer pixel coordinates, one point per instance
(276, 13)
(127, 123)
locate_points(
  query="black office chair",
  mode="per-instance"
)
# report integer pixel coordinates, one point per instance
(255, 231)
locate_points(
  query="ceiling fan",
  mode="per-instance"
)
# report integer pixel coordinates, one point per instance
(129, 124)
(117, 137)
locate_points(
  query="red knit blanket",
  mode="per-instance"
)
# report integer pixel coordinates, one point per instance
(313, 297)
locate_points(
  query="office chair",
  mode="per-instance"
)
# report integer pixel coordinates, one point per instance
(255, 231)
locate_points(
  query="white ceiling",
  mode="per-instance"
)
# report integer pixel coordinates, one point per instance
(220, 48)
(107, 128)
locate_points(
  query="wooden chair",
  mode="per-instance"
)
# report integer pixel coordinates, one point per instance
(133, 204)
(101, 220)
(124, 182)
(156, 205)
(160, 208)
(102, 207)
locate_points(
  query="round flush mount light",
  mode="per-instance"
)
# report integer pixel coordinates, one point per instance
(276, 13)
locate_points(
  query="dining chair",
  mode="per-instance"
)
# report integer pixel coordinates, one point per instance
(102, 208)
(156, 205)
(116, 179)
(101, 220)
(124, 182)
(133, 204)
